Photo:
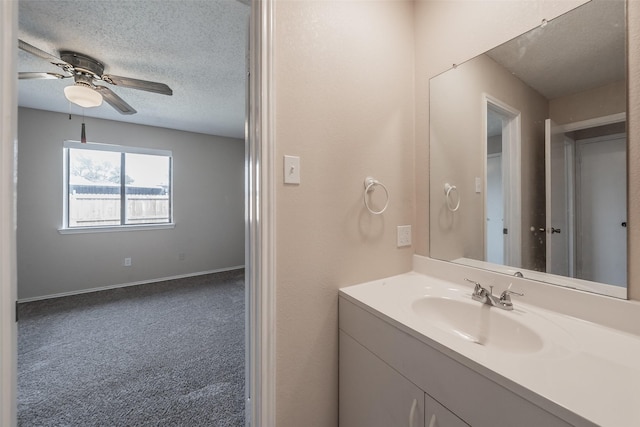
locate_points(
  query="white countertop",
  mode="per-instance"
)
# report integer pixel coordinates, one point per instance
(586, 368)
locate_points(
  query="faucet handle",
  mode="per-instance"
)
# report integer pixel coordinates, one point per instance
(472, 281)
(505, 296)
(477, 290)
(510, 292)
(505, 299)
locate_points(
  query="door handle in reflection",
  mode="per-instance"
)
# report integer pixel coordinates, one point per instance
(554, 230)
(624, 224)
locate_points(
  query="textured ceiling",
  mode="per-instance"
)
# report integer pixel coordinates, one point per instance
(582, 49)
(198, 48)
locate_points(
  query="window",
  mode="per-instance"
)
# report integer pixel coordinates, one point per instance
(115, 186)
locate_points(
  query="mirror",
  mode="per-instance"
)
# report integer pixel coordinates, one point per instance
(528, 154)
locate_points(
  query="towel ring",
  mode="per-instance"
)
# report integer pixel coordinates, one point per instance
(369, 185)
(448, 189)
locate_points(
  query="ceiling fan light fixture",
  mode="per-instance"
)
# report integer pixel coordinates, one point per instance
(83, 96)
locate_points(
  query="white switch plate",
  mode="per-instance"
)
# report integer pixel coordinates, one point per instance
(404, 235)
(478, 184)
(127, 262)
(291, 170)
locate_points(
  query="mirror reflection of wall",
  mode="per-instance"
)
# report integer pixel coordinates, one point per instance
(457, 120)
(528, 204)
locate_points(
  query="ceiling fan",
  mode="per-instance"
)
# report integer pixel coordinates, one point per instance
(86, 71)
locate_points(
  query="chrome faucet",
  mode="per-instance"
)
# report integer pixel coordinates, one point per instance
(485, 296)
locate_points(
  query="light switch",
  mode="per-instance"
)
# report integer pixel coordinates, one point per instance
(291, 170)
(478, 184)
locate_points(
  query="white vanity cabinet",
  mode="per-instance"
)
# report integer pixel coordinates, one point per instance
(385, 368)
(372, 394)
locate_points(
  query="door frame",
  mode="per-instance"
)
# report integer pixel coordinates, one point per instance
(511, 174)
(8, 164)
(552, 266)
(260, 213)
(590, 123)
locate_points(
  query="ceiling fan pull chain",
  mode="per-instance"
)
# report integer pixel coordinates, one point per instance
(83, 132)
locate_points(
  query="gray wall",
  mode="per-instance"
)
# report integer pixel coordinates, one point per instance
(208, 209)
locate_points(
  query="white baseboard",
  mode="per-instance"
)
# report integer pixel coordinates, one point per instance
(124, 285)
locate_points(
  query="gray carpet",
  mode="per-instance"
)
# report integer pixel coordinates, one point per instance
(162, 354)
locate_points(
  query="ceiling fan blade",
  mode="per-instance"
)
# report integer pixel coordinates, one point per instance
(40, 53)
(29, 76)
(115, 101)
(160, 88)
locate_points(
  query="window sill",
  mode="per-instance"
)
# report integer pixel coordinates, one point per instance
(111, 229)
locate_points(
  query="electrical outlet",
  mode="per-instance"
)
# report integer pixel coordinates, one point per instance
(404, 235)
(127, 262)
(181, 256)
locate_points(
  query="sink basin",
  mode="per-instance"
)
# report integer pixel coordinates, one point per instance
(479, 324)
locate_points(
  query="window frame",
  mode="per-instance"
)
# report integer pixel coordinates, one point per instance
(123, 149)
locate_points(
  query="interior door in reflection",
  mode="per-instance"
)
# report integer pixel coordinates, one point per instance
(601, 248)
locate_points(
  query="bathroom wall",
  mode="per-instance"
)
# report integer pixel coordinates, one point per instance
(208, 176)
(455, 138)
(344, 104)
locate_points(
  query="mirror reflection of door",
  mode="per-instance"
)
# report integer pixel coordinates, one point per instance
(586, 205)
(602, 209)
(502, 169)
(495, 238)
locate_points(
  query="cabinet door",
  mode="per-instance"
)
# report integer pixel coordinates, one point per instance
(372, 394)
(437, 415)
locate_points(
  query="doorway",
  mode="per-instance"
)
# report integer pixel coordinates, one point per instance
(502, 229)
(601, 202)
(261, 364)
(586, 198)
